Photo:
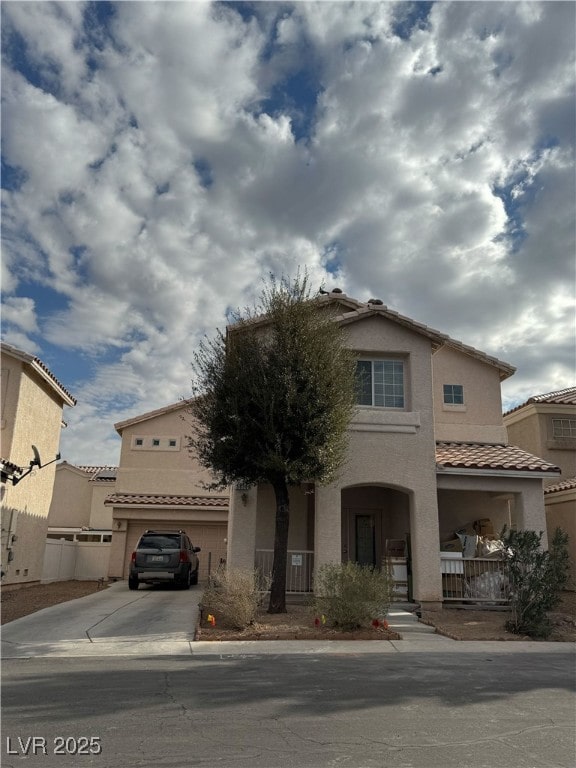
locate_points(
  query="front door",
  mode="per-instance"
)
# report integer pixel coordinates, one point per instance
(365, 530)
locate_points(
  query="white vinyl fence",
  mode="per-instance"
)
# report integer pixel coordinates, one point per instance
(75, 560)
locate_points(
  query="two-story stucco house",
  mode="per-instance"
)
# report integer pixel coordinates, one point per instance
(546, 425)
(159, 486)
(428, 454)
(32, 407)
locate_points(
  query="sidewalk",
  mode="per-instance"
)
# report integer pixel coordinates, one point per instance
(416, 638)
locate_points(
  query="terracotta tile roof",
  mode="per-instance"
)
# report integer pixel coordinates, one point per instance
(489, 456)
(564, 485)
(559, 397)
(41, 368)
(94, 468)
(152, 499)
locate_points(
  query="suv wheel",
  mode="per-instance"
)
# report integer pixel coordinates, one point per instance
(132, 582)
(185, 581)
(194, 577)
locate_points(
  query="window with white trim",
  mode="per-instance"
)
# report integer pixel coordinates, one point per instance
(453, 394)
(380, 383)
(564, 428)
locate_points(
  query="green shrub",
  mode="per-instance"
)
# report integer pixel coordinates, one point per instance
(351, 595)
(536, 578)
(233, 597)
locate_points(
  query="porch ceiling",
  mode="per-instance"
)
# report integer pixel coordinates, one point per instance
(480, 456)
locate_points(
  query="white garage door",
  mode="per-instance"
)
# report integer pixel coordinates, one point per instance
(210, 537)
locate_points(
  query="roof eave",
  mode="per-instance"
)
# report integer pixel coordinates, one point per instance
(488, 472)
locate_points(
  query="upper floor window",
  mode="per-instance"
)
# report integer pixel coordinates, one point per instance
(453, 394)
(380, 383)
(562, 428)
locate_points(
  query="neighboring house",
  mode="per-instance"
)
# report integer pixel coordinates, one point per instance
(546, 425)
(31, 419)
(427, 456)
(79, 524)
(77, 511)
(159, 486)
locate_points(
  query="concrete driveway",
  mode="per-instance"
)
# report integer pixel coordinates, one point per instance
(112, 622)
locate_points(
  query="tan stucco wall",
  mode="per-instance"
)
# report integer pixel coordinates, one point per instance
(531, 429)
(561, 513)
(457, 509)
(161, 471)
(32, 416)
(71, 499)
(480, 418)
(100, 515)
(266, 516)
(242, 528)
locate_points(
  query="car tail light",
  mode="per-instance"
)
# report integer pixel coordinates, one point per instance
(133, 557)
(184, 556)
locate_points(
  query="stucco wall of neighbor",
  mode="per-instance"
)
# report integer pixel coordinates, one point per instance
(531, 429)
(525, 433)
(528, 496)
(480, 418)
(11, 370)
(37, 421)
(71, 498)
(100, 515)
(457, 509)
(161, 470)
(561, 513)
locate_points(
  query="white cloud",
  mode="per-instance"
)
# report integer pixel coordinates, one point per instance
(437, 174)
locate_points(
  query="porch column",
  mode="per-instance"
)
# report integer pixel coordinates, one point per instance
(242, 529)
(529, 510)
(118, 555)
(327, 526)
(425, 551)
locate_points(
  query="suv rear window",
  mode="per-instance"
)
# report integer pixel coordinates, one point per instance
(160, 541)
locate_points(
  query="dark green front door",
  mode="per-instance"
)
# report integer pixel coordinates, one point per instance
(365, 540)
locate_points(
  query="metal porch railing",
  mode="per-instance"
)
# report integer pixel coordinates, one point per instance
(477, 580)
(299, 568)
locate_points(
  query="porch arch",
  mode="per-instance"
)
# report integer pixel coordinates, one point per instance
(375, 522)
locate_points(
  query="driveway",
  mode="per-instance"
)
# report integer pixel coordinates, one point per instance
(114, 621)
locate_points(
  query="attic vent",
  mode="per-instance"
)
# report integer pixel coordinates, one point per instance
(336, 290)
(378, 302)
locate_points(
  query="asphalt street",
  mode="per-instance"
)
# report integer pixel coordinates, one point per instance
(457, 710)
(115, 680)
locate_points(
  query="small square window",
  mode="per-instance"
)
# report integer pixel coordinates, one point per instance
(172, 443)
(453, 394)
(155, 442)
(564, 428)
(139, 441)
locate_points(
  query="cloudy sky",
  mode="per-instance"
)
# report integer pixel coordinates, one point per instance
(159, 159)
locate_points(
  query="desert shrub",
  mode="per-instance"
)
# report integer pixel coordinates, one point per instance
(233, 597)
(351, 595)
(536, 578)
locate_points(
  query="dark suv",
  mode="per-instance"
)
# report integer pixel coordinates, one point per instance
(164, 556)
